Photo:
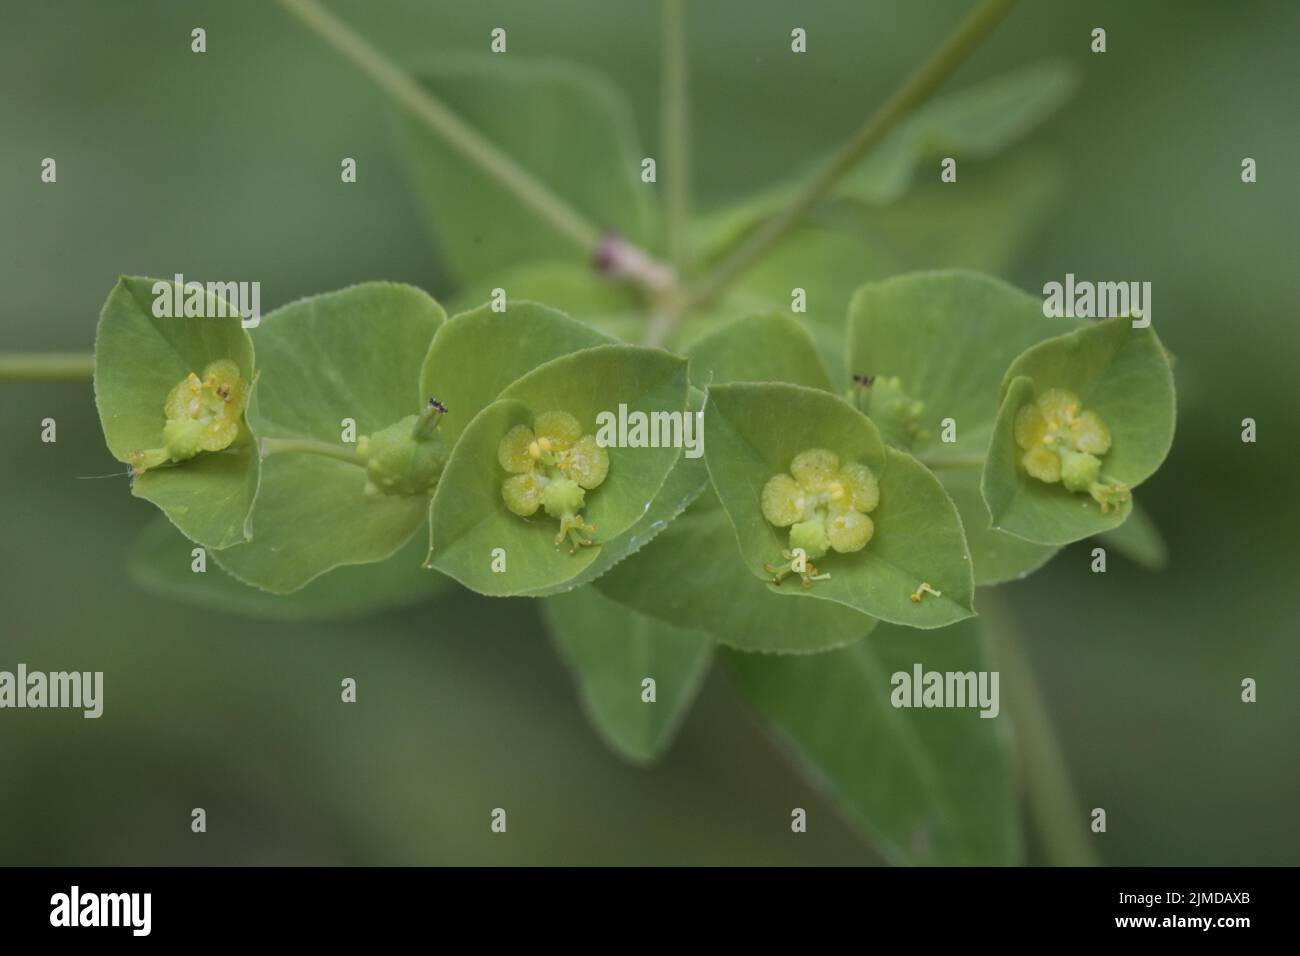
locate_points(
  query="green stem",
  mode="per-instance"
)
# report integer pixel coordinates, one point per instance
(458, 134)
(914, 91)
(310, 446)
(47, 367)
(676, 131)
(1057, 816)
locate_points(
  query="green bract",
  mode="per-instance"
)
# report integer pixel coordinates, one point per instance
(476, 354)
(159, 385)
(678, 578)
(943, 341)
(519, 339)
(768, 347)
(349, 356)
(756, 431)
(1119, 376)
(472, 526)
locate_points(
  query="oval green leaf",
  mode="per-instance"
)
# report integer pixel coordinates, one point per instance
(354, 354)
(470, 521)
(610, 651)
(139, 359)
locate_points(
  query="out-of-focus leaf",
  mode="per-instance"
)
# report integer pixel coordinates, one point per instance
(769, 347)
(971, 124)
(1139, 540)
(161, 561)
(828, 265)
(927, 786)
(983, 224)
(564, 124)
(477, 354)
(574, 288)
(610, 650)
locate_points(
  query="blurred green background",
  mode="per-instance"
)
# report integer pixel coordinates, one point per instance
(226, 165)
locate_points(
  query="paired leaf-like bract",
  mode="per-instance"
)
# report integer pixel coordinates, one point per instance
(1119, 373)
(354, 354)
(948, 338)
(470, 520)
(140, 362)
(756, 430)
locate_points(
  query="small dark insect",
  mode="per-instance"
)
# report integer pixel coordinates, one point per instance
(224, 391)
(866, 381)
(437, 406)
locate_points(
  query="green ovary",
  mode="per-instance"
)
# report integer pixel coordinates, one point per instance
(404, 458)
(552, 466)
(203, 414)
(824, 504)
(1062, 443)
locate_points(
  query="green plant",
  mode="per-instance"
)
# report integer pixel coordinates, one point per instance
(826, 435)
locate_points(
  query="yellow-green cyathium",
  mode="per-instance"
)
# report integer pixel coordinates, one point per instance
(825, 504)
(1064, 443)
(203, 414)
(552, 466)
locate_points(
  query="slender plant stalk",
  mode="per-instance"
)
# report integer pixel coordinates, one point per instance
(47, 367)
(458, 134)
(1055, 811)
(914, 91)
(676, 132)
(310, 446)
